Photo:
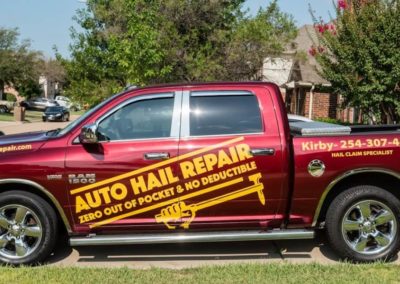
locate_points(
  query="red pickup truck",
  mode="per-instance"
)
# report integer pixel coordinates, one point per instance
(199, 163)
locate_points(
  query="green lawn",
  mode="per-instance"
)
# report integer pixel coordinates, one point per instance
(33, 116)
(80, 112)
(245, 273)
(6, 117)
(30, 116)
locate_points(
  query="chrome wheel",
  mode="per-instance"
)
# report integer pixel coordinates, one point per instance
(369, 227)
(20, 231)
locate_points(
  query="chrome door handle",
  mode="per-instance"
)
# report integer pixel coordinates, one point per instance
(156, 156)
(262, 152)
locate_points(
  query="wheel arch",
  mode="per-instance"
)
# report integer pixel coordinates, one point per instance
(367, 176)
(35, 188)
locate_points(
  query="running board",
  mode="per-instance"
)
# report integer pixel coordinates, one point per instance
(200, 237)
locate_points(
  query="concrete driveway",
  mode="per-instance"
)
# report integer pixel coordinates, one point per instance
(180, 256)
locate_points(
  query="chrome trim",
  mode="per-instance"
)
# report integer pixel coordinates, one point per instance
(201, 237)
(262, 151)
(140, 139)
(316, 168)
(220, 93)
(185, 121)
(346, 175)
(88, 134)
(156, 156)
(47, 193)
(224, 135)
(176, 115)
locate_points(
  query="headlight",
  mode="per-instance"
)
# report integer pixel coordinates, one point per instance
(58, 115)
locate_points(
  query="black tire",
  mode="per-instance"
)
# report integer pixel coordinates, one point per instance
(3, 109)
(67, 117)
(44, 119)
(370, 241)
(40, 247)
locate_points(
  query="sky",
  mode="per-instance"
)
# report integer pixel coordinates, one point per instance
(46, 23)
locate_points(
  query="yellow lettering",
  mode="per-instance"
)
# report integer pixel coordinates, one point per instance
(138, 185)
(80, 204)
(243, 151)
(187, 169)
(223, 159)
(153, 181)
(210, 160)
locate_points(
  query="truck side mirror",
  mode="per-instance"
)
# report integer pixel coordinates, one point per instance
(88, 134)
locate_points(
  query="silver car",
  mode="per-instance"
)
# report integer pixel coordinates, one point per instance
(39, 103)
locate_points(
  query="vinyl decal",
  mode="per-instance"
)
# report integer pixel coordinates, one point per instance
(210, 172)
(15, 148)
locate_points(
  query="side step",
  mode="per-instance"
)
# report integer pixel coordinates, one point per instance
(200, 237)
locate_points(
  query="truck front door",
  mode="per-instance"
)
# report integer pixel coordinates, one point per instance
(122, 182)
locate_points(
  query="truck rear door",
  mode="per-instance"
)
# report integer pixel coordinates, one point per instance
(230, 159)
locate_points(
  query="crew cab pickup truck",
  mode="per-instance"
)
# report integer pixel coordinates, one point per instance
(199, 163)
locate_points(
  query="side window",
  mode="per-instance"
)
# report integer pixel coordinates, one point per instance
(151, 118)
(227, 114)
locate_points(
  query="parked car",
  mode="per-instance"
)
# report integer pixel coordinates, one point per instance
(6, 106)
(56, 113)
(199, 163)
(39, 103)
(66, 102)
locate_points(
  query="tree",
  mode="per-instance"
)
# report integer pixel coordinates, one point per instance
(18, 64)
(359, 55)
(159, 41)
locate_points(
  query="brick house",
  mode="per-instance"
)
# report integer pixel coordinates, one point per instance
(305, 92)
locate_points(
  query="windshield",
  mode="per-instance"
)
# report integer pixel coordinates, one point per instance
(70, 126)
(53, 109)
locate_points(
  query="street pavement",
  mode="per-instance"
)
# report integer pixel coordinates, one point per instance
(179, 256)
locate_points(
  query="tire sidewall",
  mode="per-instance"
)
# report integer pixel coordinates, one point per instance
(342, 204)
(48, 222)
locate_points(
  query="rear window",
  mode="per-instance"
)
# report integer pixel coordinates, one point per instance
(222, 115)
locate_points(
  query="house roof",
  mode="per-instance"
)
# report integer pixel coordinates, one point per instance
(307, 69)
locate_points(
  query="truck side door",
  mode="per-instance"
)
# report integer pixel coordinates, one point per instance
(120, 182)
(230, 160)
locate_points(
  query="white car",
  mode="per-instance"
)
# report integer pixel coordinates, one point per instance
(66, 102)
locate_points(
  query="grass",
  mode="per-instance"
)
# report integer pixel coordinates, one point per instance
(80, 112)
(6, 117)
(30, 116)
(244, 273)
(33, 116)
